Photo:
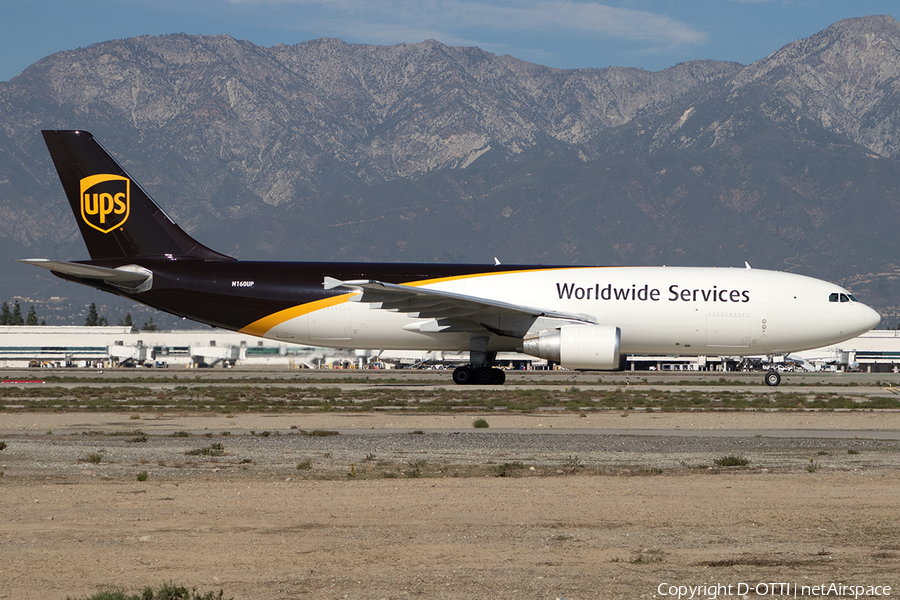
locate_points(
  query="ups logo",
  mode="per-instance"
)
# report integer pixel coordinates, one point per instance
(105, 201)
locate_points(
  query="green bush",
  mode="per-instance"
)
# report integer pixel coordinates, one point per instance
(216, 449)
(506, 469)
(573, 463)
(165, 592)
(480, 424)
(732, 461)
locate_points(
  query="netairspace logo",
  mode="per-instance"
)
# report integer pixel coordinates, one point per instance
(713, 591)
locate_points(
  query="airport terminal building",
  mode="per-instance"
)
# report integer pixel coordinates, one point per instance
(111, 347)
(877, 351)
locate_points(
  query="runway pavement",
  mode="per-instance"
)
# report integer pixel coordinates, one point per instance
(862, 384)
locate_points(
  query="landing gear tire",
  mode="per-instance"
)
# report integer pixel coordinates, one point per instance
(483, 376)
(773, 378)
(462, 375)
(479, 376)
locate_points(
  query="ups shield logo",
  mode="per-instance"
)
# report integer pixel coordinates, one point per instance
(105, 201)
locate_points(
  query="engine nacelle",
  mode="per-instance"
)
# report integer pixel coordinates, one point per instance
(582, 347)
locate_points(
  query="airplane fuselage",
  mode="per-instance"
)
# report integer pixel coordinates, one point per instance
(659, 310)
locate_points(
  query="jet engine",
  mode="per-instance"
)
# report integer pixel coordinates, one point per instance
(581, 347)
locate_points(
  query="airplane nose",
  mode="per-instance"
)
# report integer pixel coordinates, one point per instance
(871, 319)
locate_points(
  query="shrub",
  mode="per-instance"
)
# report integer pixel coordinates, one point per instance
(167, 591)
(572, 463)
(506, 469)
(480, 424)
(142, 476)
(216, 449)
(731, 461)
(417, 466)
(322, 433)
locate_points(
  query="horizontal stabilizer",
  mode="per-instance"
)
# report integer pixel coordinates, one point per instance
(131, 277)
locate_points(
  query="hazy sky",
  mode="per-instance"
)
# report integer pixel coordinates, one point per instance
(653, 34)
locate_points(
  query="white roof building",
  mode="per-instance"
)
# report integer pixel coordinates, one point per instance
(23, 346)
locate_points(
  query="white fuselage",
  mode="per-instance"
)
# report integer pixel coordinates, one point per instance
(659, 310)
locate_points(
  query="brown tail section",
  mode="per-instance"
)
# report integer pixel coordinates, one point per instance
(117, 219)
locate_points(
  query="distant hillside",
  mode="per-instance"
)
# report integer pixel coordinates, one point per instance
(425, 152)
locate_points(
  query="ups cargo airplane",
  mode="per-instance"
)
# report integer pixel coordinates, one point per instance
(586, 318)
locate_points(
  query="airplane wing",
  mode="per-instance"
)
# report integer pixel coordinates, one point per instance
(449, 311)
(131, 277)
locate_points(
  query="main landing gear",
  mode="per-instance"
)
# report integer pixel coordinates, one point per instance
(468, 375)
(479, 371)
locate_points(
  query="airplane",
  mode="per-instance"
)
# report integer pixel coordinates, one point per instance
(582, 318)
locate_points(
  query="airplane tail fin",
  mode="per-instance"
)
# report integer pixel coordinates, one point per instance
(116, 217)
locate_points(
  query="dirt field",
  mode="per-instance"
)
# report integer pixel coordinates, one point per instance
(626, 514)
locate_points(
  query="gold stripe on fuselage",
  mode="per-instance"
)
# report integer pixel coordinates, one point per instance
(262, 326)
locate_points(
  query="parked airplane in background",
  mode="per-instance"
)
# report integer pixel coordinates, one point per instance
(586, 318)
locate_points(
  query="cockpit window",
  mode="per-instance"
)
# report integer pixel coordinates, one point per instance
(835, 297)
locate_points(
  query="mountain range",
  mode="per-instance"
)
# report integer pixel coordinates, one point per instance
(425, 152)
